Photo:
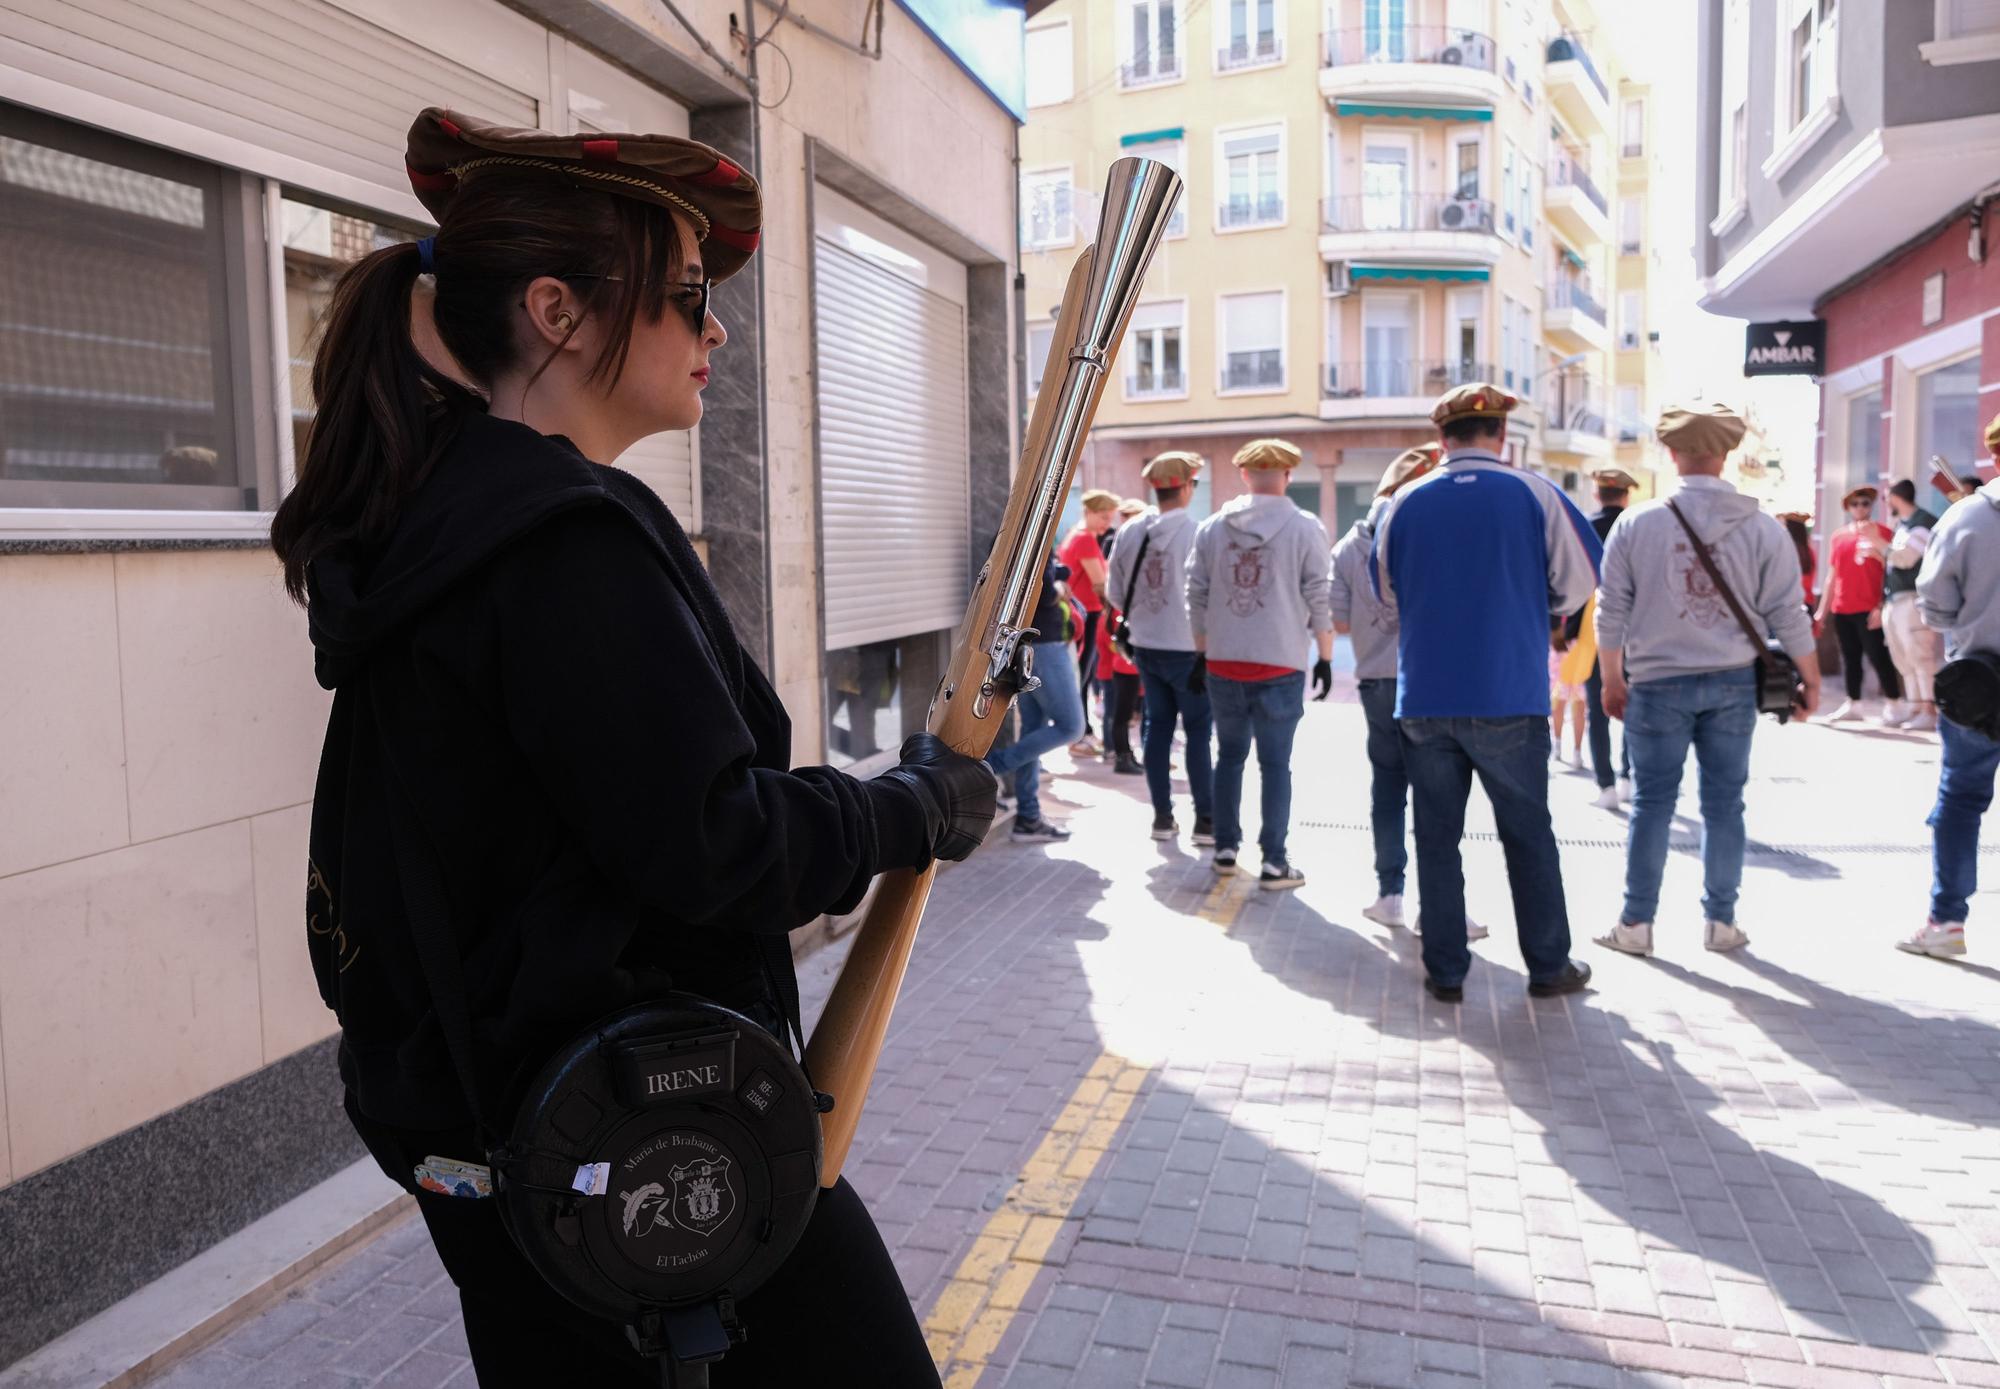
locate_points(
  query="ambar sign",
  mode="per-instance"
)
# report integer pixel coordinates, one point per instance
(1785, 349)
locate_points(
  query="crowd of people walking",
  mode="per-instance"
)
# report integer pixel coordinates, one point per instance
(1487, 614)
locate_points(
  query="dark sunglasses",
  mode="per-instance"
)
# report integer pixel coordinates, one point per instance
(692, 298)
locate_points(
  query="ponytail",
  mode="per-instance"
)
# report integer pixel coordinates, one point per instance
(384, 413)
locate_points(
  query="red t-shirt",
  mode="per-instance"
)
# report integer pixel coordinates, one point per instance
(1857, 582)
(1080, 545)
(1249, 670)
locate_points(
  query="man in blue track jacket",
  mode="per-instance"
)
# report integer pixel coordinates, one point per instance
(1475, 560)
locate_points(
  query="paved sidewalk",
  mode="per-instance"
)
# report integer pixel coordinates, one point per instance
(1138, 1125)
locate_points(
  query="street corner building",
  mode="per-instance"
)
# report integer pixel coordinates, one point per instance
(179, 191)
(1384, 200)
(1847, 204)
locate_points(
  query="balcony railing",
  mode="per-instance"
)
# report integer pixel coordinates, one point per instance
(1145, 384)
(1567, 173)
(1568, 294)
(1577, 404)
(1570, 46)
(1631, 248)
(1258, 211)
(1149, 69)
(1631, 431)
(1394, 377)
(1417, 44)
(1406, 212)
(1251, 52)
(1242, 371)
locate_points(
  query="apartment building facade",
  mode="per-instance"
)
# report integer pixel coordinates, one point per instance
(1385, 198)
(1848, 166)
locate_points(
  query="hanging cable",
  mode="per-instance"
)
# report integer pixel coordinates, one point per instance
(749, 82)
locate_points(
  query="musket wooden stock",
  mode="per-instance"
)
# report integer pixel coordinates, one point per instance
(847, 1043)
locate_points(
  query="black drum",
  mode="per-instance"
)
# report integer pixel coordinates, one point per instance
(667, 1157)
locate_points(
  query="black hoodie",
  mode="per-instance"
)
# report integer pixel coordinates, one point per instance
(539, 660)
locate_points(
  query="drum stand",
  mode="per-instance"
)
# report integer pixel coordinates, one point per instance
(686, 1340)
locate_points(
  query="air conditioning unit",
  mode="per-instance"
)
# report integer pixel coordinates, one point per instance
(1337, 282)
(1451, 55)
(1453, 216)
(1466, 214)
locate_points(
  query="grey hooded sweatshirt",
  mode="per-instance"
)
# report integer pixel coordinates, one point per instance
(1256, 582)
(1657, 602)
(1958, 588)
(1158, 614)
(1372, 627)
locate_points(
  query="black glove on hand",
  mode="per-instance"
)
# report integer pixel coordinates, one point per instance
(1322, 678)
(1198, 677)
(958, 794)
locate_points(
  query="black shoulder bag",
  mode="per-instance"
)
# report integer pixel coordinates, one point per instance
(1121, 635)
(663, 1162)
(1781, 690)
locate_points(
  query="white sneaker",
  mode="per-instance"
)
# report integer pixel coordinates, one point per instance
(1576, 758)
(1386, 910)
(1624, 790)
(1724, 936)
(1843, 712)
(1635, 939)
(1086, 746)
(1924, 720)
(1607, 799)
(1940, 938)
(1473, 930)
(1895, 712)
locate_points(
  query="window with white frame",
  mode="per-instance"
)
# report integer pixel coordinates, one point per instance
(1251, 34)
(1465, 149)
(1631, 320)
(1631, 226)
(1524, 347)
(1966, 31)
(1047, 199)
(1632, 143)
(1151, 40)
(1509, 219)
(1948, 419)
(1507, 342)
(1040, 337)
(1252, 177)
(1253, 341)
(1154, 365)
(1529, 208)
(1731, 168)
(1050, 64)
(1170, 150)
(1465, 329)
(1631, 415)
(1811, 55)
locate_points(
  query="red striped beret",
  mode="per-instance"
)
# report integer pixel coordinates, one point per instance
(710, 191)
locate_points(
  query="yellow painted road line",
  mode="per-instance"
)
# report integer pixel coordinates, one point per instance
(1226, 899)
(985, 1292)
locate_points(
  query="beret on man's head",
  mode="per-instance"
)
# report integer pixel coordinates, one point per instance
(1474, 400)
(1097, 499)
(1614, 477)
(1705, 431)
(1993, 434)
(1263, 454)
(1174, 468)
(1131, 506)
(711, 192)
(1409, 464)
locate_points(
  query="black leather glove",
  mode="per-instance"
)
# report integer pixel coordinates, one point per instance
(1198, 677)
(1322, 678)
(957, 794)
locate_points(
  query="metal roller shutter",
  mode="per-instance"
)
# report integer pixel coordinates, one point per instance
(300, 78)
(893, 442)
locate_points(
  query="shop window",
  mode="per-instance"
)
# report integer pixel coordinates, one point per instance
(1948, 425)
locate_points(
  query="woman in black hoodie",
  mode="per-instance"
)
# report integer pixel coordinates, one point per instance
(524, 648)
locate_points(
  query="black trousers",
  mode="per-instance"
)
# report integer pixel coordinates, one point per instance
(1856, 639)
(836, 1311)
(1086, 664)
(1600, 732)
(1124, 704)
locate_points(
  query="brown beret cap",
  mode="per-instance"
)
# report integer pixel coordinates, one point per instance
(1097, 499)
(713, 193)
(1131, 506)
(1473, 400)
(1707, 431)
(1267, 454)
(1409, 464)
(1993, 433)
(1860, 494)
(1614, 477)
(1174, 468)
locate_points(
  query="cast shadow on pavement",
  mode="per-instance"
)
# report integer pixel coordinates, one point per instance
(1792, 863)
(1634, 1127)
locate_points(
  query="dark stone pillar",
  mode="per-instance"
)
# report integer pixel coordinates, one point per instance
(734, 510)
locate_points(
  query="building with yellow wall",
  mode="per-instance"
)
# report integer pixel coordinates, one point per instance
(1384, 198)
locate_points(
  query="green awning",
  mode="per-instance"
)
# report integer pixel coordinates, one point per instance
(1572, 257)
(1453, 274)
(1420, 113)
(1151, 137)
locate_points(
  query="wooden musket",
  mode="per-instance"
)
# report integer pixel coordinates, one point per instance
(991, 657)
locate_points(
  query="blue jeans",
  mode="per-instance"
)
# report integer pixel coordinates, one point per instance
(1268, 712)
(1165, 677)
(1389, 787)
(1511, 757)
(1715, 713)
(1051, 718)
(1965, 790)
